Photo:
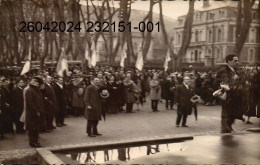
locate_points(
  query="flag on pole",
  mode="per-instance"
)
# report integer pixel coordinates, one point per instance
(62, 64)
(27, 65)
(139, 62)
(123, 55)
(167, 59)
(94, 54)
(87, 55)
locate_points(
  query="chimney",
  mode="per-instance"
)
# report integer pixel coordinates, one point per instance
(206, 3)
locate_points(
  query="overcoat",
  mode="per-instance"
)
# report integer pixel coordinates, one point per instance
(155, 90)
(92, 98)
(51, 102)
(18, 103)
(130, 90)
(34, 105)
(232, 106)
(168, 89)
(7, 110)
(114, 97)
(60, 98)
(183, 97)
(77, 96)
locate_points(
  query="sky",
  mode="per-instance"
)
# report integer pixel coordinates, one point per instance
(172, 9)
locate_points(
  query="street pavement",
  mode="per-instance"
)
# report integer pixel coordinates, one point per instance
(124, 126)
(143, 123)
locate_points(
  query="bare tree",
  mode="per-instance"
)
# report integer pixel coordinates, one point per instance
(148, 36)
(168, 44)
(186, 34)
(244, 19)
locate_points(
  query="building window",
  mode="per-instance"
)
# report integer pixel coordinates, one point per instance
(210, 35)
(179, 39)
(211, 15)
(219, 39)
(180, 21)
(201, 16)
(251, 55)
(254, 15)
(199, 57)
(196, 36)
(234, 34)
(196, 56)
(219, 55)
(191, 56)
(252, 35)
(209, 51)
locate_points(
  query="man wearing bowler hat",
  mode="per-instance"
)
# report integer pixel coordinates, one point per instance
(34, 105)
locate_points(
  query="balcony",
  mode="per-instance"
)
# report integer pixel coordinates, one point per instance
(197, 43)
(189, 60)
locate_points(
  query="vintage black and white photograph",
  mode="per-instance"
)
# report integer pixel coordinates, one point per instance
(129, 82)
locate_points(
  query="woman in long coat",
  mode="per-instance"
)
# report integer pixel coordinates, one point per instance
(155, 92)
(130, 91)
(77, 97)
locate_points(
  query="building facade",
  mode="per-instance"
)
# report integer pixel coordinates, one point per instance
(213, 36)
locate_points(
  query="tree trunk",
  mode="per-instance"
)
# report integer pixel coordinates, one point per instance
(186, 34)
(244, 19)
(148, 36)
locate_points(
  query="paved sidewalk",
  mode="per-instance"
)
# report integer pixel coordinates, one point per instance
(143, 123)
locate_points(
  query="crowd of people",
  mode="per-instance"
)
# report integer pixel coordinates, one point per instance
(40, 100)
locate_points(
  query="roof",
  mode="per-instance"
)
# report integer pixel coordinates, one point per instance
(218, 4)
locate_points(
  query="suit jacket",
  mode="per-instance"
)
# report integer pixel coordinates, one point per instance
(60, 97)
(34, 105)
(183, 96)
(51, 103)
(92, 98)
(232, 106)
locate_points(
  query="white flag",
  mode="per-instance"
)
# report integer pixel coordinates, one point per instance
(87, 55)
(123, 55)
(62, 64)
(94, 54)
(27, 65)
(167, 59)
(140, 62)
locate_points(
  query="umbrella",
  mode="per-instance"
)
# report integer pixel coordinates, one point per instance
(194, 100)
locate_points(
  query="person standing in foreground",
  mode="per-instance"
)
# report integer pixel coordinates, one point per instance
(34, 104)
(92, 102)
(184, 93)
(226, 79)
(61, 103)
(18, 104)
(155, 92)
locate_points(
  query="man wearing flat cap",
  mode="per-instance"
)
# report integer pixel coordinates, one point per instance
(34, 105)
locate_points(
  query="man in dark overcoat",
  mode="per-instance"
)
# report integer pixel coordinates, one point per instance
(61, 103)
(230, 106)
(7, 110)
(92, 102)
(50, 103)
(168, 91)
(18, 104)
(183, 96)
(34, 105)
(1, 113)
